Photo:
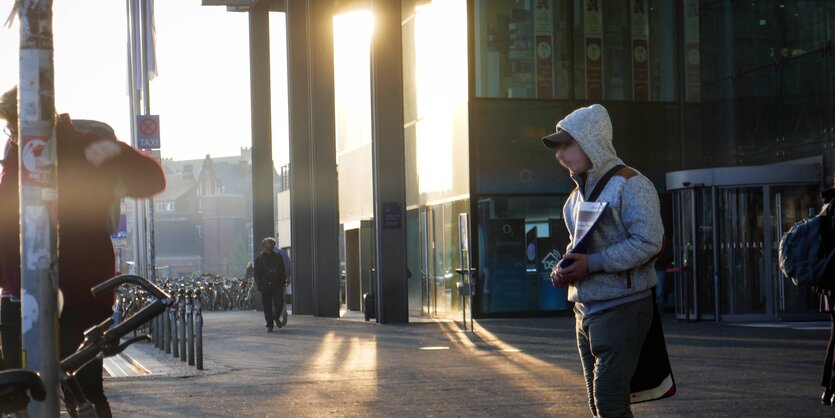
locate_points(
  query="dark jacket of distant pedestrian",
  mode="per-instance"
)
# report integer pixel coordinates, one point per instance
(93, 172)
(611, 284)
(827, 303)
(271, 277)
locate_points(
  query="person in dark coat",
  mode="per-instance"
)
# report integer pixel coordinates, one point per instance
(827, 302)
(93, 172)
(271, 277)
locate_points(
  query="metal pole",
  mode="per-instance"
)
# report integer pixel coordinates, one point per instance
(175, 344)
(198, 330)
(146, 101)
(190, 329)
(181, 313)
(38, 192)
(139, 208)
(166, 332)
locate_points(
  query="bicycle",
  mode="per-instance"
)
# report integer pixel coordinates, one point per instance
(103, 339)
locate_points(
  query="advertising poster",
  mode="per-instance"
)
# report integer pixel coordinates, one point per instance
(506, 275)
(548, 255)
(692, 69)
(593, 31)
(543, 23)
(640, 50)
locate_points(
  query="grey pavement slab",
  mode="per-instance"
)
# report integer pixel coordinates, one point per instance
(511, 367)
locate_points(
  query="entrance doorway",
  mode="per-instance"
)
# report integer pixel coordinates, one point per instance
(727, 228)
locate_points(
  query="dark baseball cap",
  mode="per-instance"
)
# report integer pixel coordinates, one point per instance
(556, 138)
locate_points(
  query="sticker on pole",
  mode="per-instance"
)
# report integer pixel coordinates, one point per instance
(29, 311)
(147, 131)
(34, 153)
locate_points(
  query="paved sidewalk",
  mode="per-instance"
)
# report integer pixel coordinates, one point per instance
(515, 367)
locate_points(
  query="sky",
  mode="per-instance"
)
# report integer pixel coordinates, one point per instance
(202, 91)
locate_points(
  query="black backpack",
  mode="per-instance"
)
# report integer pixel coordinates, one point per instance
(802, 254)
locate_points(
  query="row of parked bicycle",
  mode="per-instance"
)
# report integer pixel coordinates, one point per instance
(215, 293)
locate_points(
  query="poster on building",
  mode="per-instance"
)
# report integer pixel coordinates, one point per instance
(640, 50)
(543, 24)
(692, 50)
(548, 255)
(593, 32)
(506, 283)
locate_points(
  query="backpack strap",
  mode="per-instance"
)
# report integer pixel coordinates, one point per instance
(618, 170)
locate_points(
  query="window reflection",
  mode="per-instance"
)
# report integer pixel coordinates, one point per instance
(580, 49)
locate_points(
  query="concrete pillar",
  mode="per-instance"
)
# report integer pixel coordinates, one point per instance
(389, 162)
(301, 199)
(323, 157)
(263, 195)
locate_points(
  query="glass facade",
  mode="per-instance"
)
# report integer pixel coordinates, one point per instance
(576, 49)
(761, 93)
(688, 84)
(767, 81)
(436, 145)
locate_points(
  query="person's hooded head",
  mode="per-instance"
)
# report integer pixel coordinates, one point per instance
(583, 143)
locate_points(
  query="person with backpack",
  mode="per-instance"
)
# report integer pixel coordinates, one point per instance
(271, 276)
(611, 283)
(825, 291)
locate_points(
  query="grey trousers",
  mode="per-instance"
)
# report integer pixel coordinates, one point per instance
(610, 343)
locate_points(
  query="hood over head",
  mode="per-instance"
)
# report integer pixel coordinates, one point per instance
(591, 127)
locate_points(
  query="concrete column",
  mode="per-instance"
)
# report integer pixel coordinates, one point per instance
(301, 198)
(262, 161)
(389, 162)
(323, 157)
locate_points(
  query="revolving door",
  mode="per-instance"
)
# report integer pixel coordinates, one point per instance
(727, 227)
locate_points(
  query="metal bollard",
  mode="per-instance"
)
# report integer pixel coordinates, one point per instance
(198, 331)
(166, 332)
(190, 329)
(181, 314)
(160, 333)
(172, 313)
(155, 330)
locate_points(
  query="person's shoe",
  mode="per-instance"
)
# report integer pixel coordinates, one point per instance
(269, 330)
(826, 397)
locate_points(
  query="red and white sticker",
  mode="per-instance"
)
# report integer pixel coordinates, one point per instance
(34, 155)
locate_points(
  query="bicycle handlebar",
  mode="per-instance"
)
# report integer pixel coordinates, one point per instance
(104, 339)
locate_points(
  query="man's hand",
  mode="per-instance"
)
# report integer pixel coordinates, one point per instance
(578, 270)
(100, 152)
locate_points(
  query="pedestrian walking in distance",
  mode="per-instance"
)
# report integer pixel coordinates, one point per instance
(271, 276)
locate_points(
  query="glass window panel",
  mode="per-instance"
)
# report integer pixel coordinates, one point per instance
(520, 239)
(576, 49)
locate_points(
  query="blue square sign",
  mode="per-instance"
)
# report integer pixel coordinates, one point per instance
(147, 131)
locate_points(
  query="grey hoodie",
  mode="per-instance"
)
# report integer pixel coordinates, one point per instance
(630, 233)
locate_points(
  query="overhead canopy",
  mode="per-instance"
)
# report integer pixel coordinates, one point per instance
(803, 171)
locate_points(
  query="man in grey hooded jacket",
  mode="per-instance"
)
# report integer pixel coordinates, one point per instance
(610, 283)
